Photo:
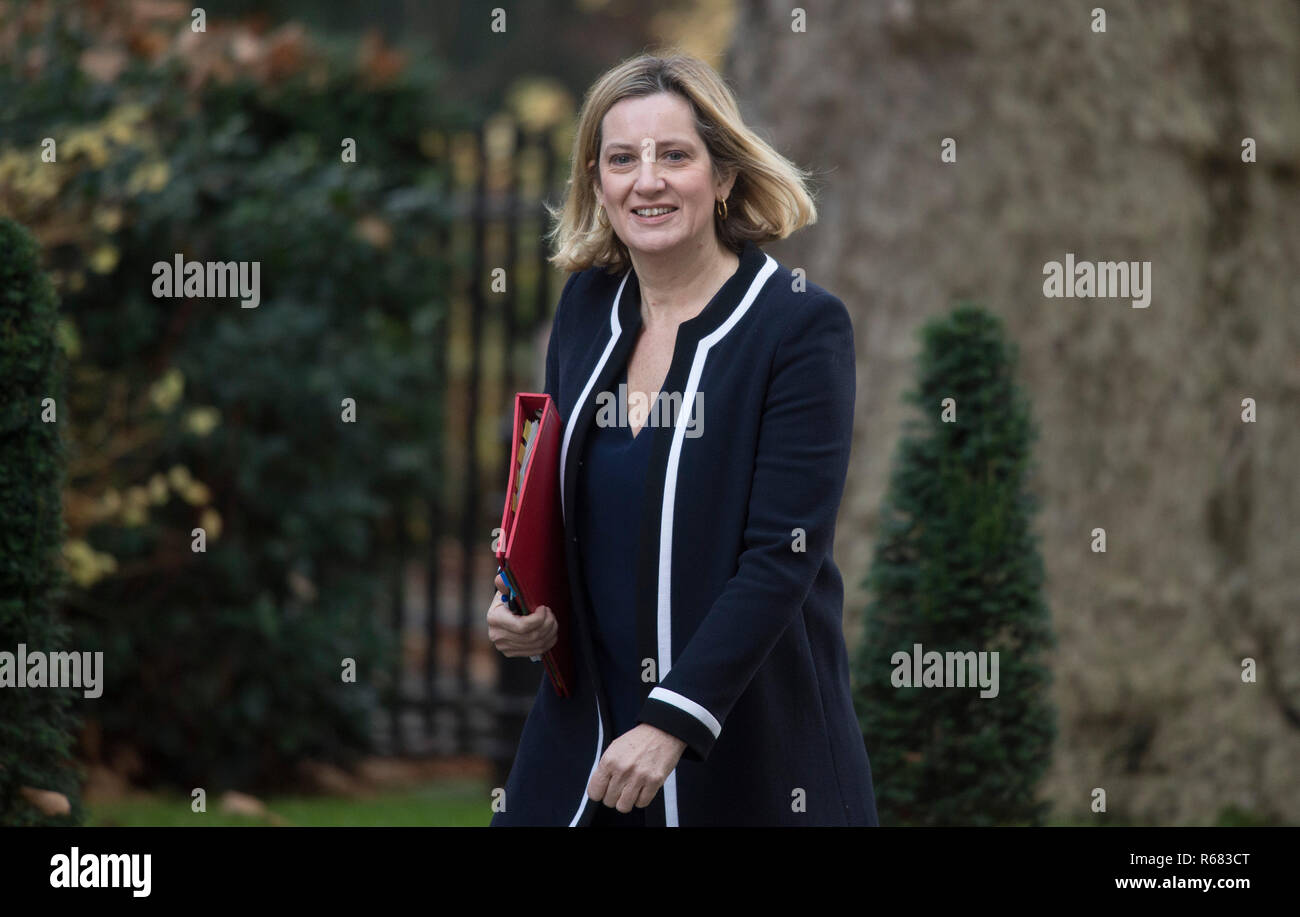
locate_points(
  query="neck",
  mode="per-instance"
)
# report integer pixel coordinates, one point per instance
(676, 286)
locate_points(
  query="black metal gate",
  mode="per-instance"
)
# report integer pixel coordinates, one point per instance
(452, 693)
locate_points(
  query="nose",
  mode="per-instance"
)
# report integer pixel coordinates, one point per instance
(647, 178)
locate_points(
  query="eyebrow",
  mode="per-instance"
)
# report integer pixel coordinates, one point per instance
(671, 141)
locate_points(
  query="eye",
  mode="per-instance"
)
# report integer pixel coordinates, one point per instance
(615, 158)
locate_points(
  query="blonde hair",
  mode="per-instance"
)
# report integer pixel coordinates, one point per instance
(769, 199)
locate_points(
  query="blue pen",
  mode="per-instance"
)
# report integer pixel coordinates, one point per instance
(513, 602)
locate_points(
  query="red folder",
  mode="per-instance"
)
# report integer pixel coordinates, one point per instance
(531, 549)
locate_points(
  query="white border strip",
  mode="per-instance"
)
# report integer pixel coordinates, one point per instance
(600, 741)
(615, 330)
(664, 621)
(687, 705)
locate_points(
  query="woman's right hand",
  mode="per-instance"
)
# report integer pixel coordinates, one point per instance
(520, 635)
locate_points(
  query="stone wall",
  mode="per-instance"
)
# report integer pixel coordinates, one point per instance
(1122, 145)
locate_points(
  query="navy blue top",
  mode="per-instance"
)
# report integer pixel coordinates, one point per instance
(611, 486)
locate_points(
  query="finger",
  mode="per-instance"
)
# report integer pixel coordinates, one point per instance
(529, 635)
(516, 625)
(647, 795)
(501, 620)
(618, 780)
(530, 624)
(552, 635)
(627, 799)
(529, 649)
(500, 584)
(506, 641)
(599, 782)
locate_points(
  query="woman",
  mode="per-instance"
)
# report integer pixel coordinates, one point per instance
(711, 675)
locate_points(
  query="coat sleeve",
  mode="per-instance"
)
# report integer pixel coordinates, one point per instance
(804, 441)
(553, 362)
(553, 353)
(553, 347)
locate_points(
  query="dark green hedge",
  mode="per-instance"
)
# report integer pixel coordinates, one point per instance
(36, 724)
(223, 668)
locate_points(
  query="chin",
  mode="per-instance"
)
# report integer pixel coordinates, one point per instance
(651, 246)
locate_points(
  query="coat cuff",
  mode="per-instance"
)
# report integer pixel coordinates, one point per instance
(684, 718)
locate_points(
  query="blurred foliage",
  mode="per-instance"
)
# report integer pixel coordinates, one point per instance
(957, 569)
(223, 667)
(36, 724)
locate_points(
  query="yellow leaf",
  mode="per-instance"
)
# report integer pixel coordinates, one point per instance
(197, 493)
(210, 520)
(104, 259)
(179, 477)
(86, 565)
(108, 219)
(110, 502)
(148, 176)
(167, 390)
(202, 421)
(119, 129)
(69, 340)
(158, 489)
(159, 177)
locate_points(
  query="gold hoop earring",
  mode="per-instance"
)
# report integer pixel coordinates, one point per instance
(600, 216)
(721, 210)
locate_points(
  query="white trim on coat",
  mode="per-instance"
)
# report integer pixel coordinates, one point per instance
(615, 330)
(600, 741)
(665, 613)
(682, 702)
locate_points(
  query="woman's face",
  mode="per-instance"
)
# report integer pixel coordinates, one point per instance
(651, 156)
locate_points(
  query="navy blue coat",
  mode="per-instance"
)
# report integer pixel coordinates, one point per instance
(739, 602)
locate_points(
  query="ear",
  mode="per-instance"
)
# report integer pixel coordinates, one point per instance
(724, 187)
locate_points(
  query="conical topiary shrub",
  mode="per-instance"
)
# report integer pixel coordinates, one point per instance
(957, 571)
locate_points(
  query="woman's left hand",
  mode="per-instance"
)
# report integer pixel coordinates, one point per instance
(634, 767)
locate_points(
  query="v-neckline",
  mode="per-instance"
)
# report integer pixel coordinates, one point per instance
(632, 437)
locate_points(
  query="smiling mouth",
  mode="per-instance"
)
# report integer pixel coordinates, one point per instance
(651, 212)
